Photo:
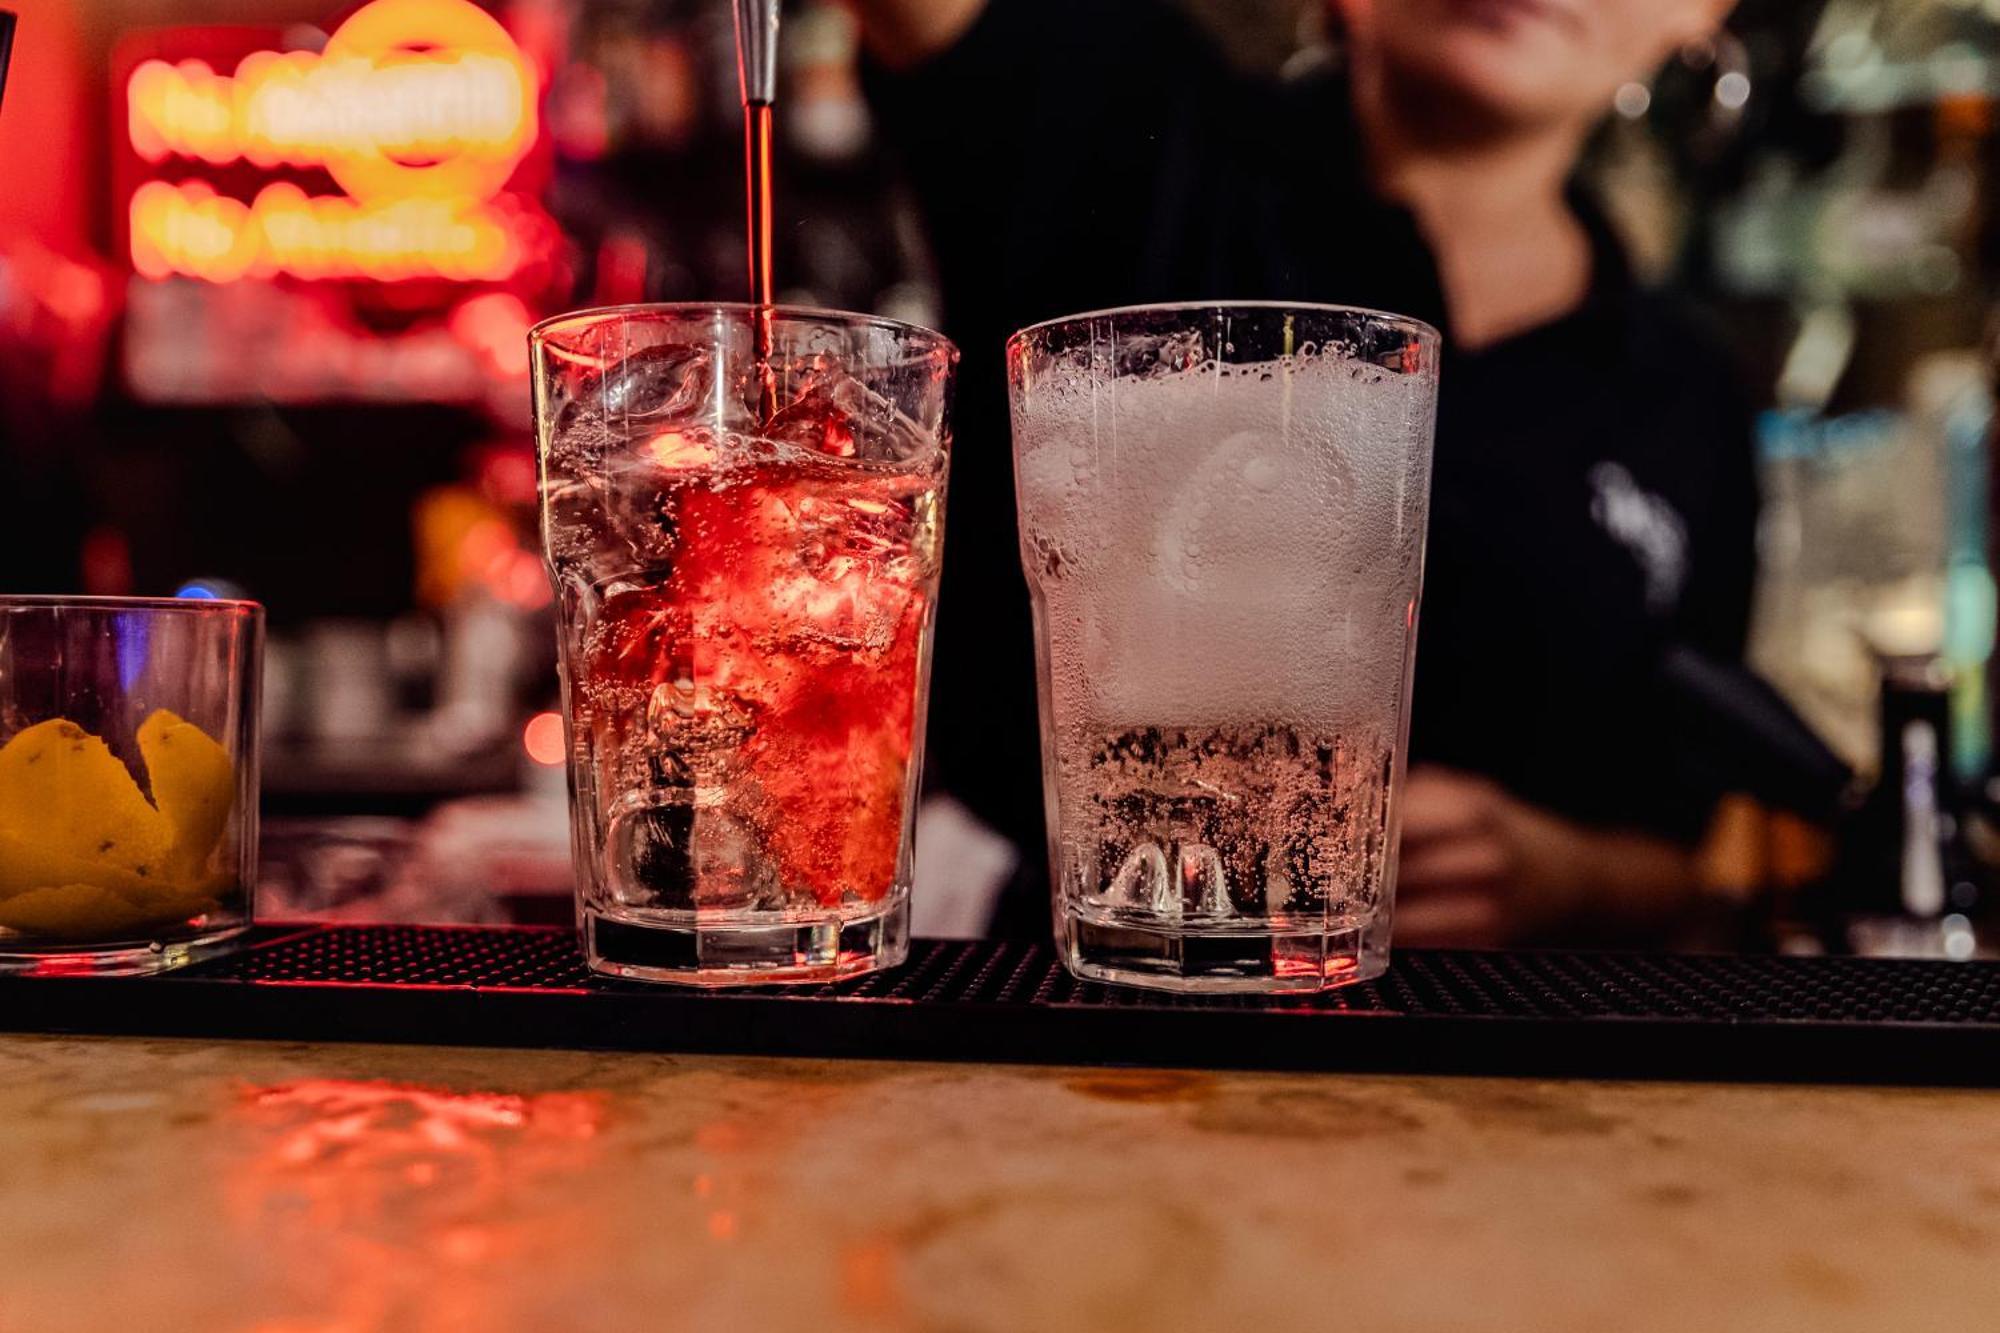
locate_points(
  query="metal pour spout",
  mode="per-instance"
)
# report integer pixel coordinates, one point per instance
(757, 50)
(8, 21)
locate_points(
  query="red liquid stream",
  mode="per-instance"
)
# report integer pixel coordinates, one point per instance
(757, 168)
(757, 120)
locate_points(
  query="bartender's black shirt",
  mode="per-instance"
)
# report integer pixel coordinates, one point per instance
(1593, 496)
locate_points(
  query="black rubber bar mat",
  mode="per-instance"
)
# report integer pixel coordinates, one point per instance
(1607, 1015)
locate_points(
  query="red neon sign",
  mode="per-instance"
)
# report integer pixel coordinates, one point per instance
(420, 111)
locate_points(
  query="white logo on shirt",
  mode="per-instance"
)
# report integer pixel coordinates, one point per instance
(1645, 525)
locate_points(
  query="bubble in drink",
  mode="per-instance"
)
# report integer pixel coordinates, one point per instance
(1225, 827)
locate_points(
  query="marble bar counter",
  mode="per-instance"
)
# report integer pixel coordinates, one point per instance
(168, 1184)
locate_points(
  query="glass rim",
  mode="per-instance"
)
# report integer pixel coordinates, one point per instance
(1420, 328)
(542, 332)
(95, 602)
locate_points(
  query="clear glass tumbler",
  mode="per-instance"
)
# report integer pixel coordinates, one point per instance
(1222, 521)
(745, 552)
(128, 780)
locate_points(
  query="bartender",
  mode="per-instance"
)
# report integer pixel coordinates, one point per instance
(1594, 499)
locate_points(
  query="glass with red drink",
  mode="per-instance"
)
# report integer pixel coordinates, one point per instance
(745, 554)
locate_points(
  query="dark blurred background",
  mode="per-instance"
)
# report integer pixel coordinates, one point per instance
(259, 369)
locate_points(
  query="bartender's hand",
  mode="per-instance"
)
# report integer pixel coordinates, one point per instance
(1481, 868)
(903, 33)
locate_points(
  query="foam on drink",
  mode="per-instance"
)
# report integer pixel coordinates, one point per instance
(1232, 554)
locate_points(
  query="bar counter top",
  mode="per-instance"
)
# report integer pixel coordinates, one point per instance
(283, 1188)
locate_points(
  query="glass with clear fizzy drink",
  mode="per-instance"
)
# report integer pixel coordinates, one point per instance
(1223, 515)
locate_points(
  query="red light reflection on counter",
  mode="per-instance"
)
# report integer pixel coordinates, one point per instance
(388, 1205)
(869, 1281)
(338, 1116)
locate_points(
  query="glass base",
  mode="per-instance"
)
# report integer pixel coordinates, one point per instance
(739, 953)
(1274, 962)
(26, 958)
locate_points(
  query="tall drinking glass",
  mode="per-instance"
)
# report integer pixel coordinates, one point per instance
(1222, 520)
(745, 554)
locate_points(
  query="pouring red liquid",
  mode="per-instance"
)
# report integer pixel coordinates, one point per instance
(757, 67)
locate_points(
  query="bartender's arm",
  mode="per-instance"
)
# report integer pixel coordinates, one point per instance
(903, 33)
(1482, 868)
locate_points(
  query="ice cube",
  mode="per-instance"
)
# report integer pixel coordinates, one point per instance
(1153, 356)
(1142, 884)
(863, 581)
(650, 860)
(1227, 526)
(669, 381)
(1205, 880)
(831, 412)
(639, 518)
(732, 872)
(638, 639)
(653, 389)
(596, 516)
(831, 753)
(812, 551)
(579, 443)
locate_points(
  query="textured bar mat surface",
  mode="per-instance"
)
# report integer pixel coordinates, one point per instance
(1539, 1013)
